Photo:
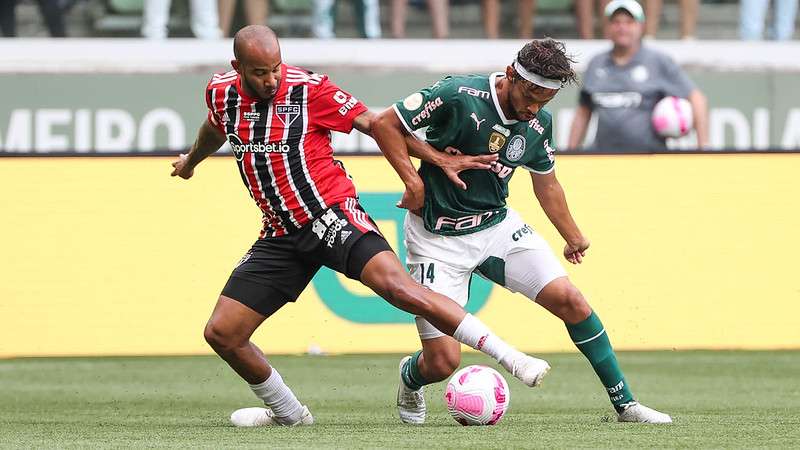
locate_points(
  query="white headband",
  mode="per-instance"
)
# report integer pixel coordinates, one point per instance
(536, 79)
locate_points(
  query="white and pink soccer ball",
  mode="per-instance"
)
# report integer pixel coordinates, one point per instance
(672, 117)
(477, 395)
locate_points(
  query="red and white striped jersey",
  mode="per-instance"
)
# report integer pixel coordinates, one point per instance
(283, 146)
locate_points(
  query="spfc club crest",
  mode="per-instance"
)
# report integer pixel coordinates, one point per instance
(287, 113)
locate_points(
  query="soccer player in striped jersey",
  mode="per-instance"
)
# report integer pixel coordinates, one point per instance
(452, 233)
(278, 119)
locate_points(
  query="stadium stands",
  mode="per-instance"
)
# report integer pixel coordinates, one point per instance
(718, 19)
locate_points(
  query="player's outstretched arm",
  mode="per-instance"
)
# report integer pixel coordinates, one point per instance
(209, 140)
(389, 134)
(554, 203)
(452, 162)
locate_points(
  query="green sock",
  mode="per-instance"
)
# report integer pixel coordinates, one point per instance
(411, 375)
(592, 340)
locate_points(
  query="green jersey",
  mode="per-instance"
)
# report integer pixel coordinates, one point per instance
(463, 112)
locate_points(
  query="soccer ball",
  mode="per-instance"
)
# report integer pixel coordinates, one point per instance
(477, 395)
(672, 117)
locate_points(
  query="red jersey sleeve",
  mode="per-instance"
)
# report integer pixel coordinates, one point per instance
(212, 103)
(333, 108)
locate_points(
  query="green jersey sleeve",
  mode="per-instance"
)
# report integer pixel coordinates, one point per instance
(541, 147)
(433, 105)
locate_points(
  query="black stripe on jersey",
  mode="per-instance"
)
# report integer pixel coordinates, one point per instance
(232, 110)
(231, 106)
(210, 100)
(261, 134)
(231, 100)
(293, 139)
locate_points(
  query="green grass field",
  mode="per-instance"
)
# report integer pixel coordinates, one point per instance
(717, 399)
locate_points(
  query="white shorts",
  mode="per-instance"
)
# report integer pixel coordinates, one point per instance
(510, 254)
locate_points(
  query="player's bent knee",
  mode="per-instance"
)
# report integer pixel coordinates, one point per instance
(564, 300)
(212, 337)
(574, 306)
(218, 338)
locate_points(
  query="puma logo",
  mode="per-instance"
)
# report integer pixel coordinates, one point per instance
(477, 122)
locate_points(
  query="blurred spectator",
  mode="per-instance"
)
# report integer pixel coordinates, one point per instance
(367, 14)
(51, 11)
(255, 13)
(621, 86)
(753, 13)
(439, 10)
(688, 17)
(205, 21)
(491, 18)
(584, 16)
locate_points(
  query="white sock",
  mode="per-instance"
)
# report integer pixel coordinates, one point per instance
(471, 331)
(278, 397)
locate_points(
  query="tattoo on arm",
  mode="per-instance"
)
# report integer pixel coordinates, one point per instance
(363, 123)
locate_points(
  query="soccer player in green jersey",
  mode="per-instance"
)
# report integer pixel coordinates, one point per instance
(453, 230)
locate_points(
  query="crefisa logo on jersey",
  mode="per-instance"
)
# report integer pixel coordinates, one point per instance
(534, 123)
(429, 107)
(516, 148)
(551, 152)
(287, 113)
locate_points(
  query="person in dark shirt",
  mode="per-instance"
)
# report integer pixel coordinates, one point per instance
(622, 86)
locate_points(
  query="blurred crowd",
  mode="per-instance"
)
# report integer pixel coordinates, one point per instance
(214, 19)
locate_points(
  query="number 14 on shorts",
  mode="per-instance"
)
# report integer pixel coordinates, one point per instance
(424, 273)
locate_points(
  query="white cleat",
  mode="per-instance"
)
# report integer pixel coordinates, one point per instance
(636, 412)
(527, 369)
(264, 417)
(410, 404)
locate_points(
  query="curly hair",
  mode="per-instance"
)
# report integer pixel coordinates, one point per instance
(548, 58)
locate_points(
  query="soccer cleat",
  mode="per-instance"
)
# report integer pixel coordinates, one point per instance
(636, 412)
(410, 403)
(264, 417)
(526, 368)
